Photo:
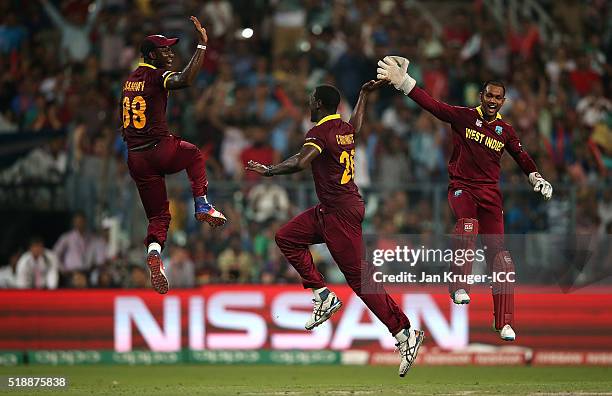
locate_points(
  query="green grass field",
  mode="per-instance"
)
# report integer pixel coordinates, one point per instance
(319, 380)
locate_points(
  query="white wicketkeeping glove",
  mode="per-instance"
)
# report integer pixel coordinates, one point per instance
(540, 185)
(393, 69)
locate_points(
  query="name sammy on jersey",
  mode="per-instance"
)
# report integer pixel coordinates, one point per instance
(134, 86)
(345, 140)
(481, 138)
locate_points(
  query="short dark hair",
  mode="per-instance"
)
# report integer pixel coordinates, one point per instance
(146, 48)
(36, 240)
(329, 97)
(496, 83)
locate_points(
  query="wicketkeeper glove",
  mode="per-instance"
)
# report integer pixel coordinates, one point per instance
(394, 69)
(540, 185)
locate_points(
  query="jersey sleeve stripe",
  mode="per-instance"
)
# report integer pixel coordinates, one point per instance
(315, 145)
(166, 78)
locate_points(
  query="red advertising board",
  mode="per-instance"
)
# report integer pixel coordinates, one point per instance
(272, 317)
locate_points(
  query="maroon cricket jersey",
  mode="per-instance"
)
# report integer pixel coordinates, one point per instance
(143, 105)
(477, 144)
(333, 170)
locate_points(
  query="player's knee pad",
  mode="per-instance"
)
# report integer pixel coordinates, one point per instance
(504, 275)
(464, 239)
(503, 289)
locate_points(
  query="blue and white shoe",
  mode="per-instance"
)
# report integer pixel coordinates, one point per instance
(206, 212)
(408, 343)
(323, 309)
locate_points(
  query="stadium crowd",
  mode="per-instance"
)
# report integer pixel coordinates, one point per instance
(62, 64)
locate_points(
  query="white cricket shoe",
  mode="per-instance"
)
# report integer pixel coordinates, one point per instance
(461, 297)
(507, 333)
(323, 309)
(408, 343)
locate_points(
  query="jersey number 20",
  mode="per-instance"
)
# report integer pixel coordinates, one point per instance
(137, 107)
(349, 166)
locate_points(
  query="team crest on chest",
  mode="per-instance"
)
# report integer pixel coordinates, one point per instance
(478, 123)
(498, 129)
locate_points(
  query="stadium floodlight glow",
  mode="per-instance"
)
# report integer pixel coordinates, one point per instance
(247, 33)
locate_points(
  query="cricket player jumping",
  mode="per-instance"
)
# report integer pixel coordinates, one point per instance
(480, 137)
(153, 152)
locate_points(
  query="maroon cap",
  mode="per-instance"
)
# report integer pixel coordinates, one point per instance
(155, 41)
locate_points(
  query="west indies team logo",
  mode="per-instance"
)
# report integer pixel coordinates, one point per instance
(498, 129)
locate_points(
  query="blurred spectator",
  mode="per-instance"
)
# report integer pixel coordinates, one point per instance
(12, 34)
(8, 273)
(560, 63)
(268, 201)
(394, 169)
(220, 15)
(73, 246)
(38, 268)
(259, 150)
(180, 270)
(78, 280)
(139, 278)
(583, 77)
(236, 265)
(397, 117)
(594, 107)
(75, 28)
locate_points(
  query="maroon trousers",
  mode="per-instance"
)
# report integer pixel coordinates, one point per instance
(484, 203)
(148, 169)
(340, 230)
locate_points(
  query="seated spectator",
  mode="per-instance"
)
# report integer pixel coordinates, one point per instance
(139, 278)
(8, 273)
(37, 268)
(78, 280)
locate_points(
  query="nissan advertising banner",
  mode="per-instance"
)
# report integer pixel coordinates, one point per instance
(230, 317)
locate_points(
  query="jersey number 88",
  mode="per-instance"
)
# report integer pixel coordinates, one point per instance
(137, 107)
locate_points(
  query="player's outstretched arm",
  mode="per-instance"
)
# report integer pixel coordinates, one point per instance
(358, 112)
(186, 77)
(293, 164)
(394, 69)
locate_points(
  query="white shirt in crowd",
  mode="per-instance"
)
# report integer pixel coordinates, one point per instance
(40, 272)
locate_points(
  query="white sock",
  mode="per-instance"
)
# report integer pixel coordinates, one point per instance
(154, 246)
(401, 336)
